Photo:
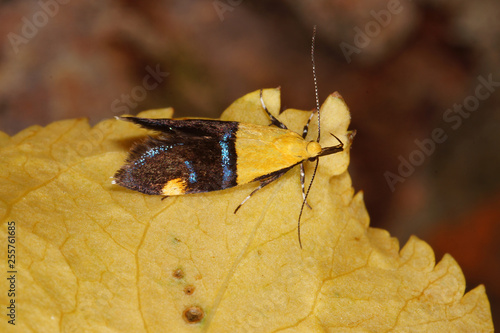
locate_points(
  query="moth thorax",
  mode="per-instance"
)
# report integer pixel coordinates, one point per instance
(313, 148)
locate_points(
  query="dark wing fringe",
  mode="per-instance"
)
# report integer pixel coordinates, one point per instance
(185, 127)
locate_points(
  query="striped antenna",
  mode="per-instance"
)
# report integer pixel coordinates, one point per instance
(319, 132)
(315, 82)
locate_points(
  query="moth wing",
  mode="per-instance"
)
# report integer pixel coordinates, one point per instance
(175, 165)
(266, 150)
(183, 127)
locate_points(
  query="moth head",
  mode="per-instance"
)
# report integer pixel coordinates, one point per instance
(330, 150)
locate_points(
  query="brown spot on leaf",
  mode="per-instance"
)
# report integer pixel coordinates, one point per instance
(189, 290)
(178, 273)
(193, 314)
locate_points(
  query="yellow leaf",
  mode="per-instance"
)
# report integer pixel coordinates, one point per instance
(93, 256)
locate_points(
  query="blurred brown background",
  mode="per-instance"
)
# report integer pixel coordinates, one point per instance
(421, 78)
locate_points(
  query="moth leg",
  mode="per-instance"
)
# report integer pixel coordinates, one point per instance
(168, 196)
(263, 183)
(302, 181)
(274, 120)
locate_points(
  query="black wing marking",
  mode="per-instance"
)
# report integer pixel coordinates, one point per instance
(184, 127)
(205, 160)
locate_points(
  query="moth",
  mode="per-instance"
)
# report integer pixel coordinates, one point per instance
(200, 155)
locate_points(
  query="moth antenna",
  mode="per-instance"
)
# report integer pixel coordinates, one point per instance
(305, 200)
(319, 130)
(315, 82)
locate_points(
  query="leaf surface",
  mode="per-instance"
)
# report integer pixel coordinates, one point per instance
(93, 256)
